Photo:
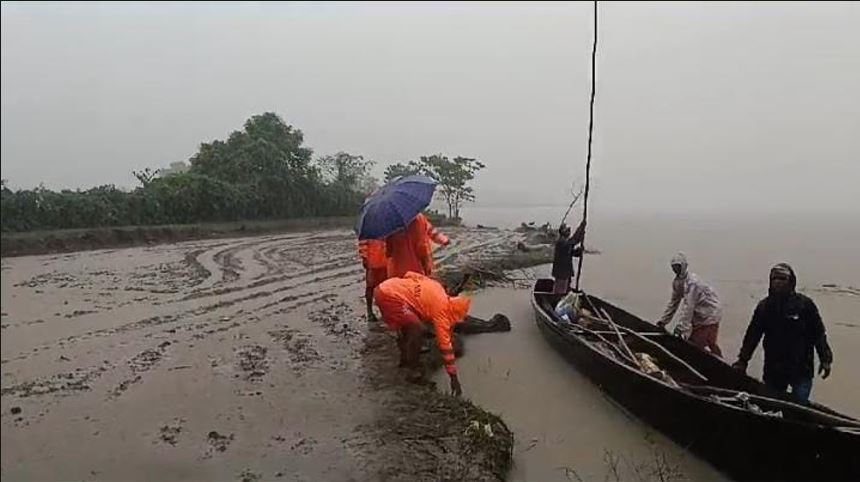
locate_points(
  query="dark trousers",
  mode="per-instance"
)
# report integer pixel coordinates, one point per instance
(801, 387)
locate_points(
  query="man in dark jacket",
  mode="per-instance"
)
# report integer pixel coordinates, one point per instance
(566, 248)
(792, 328)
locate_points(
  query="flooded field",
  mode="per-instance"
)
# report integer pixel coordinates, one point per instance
(221, 360)
(247, 359)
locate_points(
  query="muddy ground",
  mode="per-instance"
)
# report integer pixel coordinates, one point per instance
(229, 359)
(71, 240)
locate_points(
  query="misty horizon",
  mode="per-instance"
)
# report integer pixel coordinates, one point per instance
(700, 107)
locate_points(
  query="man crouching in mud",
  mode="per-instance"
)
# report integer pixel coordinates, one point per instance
(409, 302)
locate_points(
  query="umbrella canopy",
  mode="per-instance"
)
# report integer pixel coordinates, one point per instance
(393, 206)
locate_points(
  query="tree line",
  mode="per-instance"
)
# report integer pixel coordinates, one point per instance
(263, 171)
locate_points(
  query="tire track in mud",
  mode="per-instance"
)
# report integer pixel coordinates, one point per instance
(200, 271)
(139, 364)
(188, 316)
(459, 249)
(67, 384)
(264, 259)
(229, 265)
(337, 263)
(336, 260)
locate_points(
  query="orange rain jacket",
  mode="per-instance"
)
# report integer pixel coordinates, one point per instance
(372, 252)
(427, 298)
(411, 249)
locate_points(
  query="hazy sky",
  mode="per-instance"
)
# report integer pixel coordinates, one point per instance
(700, 107)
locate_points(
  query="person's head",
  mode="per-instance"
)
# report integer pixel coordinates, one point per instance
(782, 280)
(564, 231)
(679, 264)
(459, 306)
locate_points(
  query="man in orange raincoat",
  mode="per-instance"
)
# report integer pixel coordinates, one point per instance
(408, 302)
(372, 252)
(411, 249)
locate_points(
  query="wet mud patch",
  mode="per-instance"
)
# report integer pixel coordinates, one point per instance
(123, 386)
(78, 313)
(230, 266)
(167, 278)
(54, 278)
(304, 446)
(218, 443)
(337, 319)
(253, 362)
(299, 347)
(169, 433)
(249, 476)
(440, 437)
(140, 363)
(61, 384)
(196, 273)
(424, 434)
(319, 272)
(146, 359)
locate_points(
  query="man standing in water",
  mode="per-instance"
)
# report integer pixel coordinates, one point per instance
(792, 328)
(700, 317)
(567, 247)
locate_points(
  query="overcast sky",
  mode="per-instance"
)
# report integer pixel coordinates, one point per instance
(700, 107)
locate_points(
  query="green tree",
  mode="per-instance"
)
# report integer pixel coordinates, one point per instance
(267, 158)
(399, 169)
(453, 176)
(145, 176)
(346, 170)
(266, 147)
(262, 171)
(348, 180)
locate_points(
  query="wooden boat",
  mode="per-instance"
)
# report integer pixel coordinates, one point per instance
(732, 420)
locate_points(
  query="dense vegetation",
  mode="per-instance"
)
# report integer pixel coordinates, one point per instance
(261, 172)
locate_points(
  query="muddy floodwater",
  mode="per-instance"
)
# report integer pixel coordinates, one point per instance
(566, 428)
(245, 359)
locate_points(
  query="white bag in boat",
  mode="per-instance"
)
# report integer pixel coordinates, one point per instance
(568, 307)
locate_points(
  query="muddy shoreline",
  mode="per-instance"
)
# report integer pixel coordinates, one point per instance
(229, 359)
(71, 240)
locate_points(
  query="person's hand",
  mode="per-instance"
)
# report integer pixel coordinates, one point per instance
(456, 389)
(740, 366)
(580, 231)
(824, 370)
(679, 332)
